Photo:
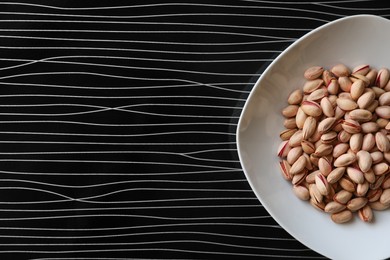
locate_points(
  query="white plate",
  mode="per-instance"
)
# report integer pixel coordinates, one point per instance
(353, 41)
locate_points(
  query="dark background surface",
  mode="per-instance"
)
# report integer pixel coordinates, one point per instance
(118, 121)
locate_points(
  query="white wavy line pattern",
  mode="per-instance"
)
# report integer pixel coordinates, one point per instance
(117, 126)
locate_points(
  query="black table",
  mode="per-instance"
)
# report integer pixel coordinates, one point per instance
(118, 122)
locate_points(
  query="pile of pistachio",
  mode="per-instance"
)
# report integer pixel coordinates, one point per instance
(335, 148)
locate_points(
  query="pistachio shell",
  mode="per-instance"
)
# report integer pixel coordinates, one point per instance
(345, 83)
(355, 175)
(326, 125)
(362, 69)
(383, 111)
(368, 142)
(283, 149)
(371, 75)
(342, 196)
(285, 170)
(298, 166)
(340, 149)
(356, 142)
(335, 175)
(384, 99)
(351, 126)
(385, 197)
(334, 207)
(382, 142)
(357, 203)
(294, 154)
(300, 118)
(369, 127)
(382, 77)
(290, 111)
(301, 192)
(360, 115)
(327, 107)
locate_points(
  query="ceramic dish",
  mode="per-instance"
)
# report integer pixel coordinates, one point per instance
(353, 41)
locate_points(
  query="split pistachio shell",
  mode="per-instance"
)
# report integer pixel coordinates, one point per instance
(326, 125)
(362, 69)
(324, 166)
(382, 77)
(311, 108)
(327, 107)
(351, 126)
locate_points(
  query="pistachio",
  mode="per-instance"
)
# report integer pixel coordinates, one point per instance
(357, 89)
(324, 166)
(285, 170)
(342, 216)
(290, 123)
(290, 111)
(295, 98)
(384, 99)
(323, 149)
(357, 77)
(366, 99)
(301, 192)
(369, 127)
(368, 142)
(326, 125)
(360, 115)
(344, 160)
(370, 176)
(299, 177)
(361, 69)
(385, 197)
(340, 149)
(318, 94)
(287, 133)
(346, 104)
(283, 149)
(335, 175)
(315, 194)
(371, 75)
(347, 184)
(366, 214)
(307, 147)
(313, 72)
(312, 85)
(345, 83)
(343, 136)
(309, 127)
(300, 118)
(298, 166)
(355, 175)
(327, 76)
(333, 86)
(342, 196)
(294, 154)
(334, 207)
(311, 108)
(378, 182)
(374, 104)
(362, 189)
(340, 70)
(296, 139)
(329, 137)
(327, 107)
(364, 160)
(351, 126)
(376, 157)
(383, 111)
(382, 142)
(382, 77)
(356, 203)
(356, 142)
(377, 205)
(381, 168)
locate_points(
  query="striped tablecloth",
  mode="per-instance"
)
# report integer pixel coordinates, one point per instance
(118, 121)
